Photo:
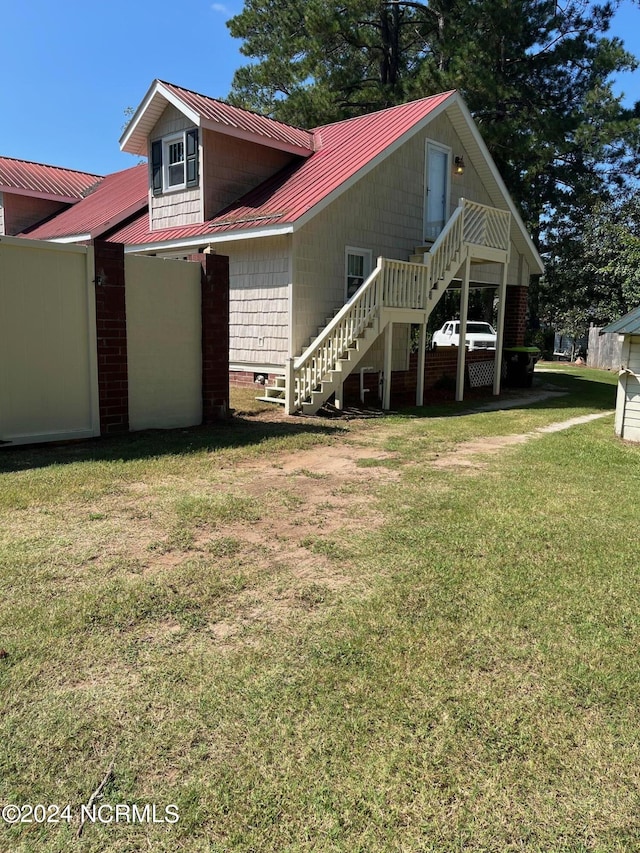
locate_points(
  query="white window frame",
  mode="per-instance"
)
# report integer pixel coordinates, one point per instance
(166, 146)
(367, 266)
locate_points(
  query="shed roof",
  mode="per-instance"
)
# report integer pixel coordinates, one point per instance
(118, 197)
(627, 325)
(23, 177)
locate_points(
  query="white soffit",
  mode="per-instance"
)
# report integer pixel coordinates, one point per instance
(134, 139)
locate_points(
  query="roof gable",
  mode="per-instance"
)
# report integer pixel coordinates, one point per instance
(23, 177)
(344, 152)
(119, 196)
(211, 114)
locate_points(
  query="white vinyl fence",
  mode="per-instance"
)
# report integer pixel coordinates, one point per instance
(48, 365)
(49, 388)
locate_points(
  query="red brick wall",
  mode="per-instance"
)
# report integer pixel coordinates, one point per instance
(111, 326)
(21, 212)
(215, 337)
(515, 320)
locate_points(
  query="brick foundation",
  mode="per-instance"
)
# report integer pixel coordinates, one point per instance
(111, 327)
(440, 370)
(515, 320)
(245, 379)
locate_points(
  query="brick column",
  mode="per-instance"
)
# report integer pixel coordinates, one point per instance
(515, 321)
(215, 336)
(111, 327)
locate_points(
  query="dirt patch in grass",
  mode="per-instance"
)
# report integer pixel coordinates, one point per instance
(465, 455)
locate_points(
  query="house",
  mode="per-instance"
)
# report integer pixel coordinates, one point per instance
(340, 239)
(31, 193)
(627, 422)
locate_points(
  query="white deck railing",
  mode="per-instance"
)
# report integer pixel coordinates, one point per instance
(486, 226)
(394, 284)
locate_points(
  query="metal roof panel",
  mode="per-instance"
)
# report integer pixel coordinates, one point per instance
(234, 118)
(627, 325)
(118, 196)
(345, 148)
(39, 179)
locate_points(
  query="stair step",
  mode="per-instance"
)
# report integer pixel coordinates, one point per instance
(278, 400)
(275, 392)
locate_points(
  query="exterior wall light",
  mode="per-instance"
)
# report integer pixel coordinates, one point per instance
(459, 166)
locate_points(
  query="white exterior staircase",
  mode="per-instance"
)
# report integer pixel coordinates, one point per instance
(396, 291)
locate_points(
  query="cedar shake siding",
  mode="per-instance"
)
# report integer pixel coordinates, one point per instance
(180, 207)
(382, 212)
(259, 285)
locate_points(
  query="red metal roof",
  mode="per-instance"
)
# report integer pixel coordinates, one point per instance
(344, 148)
(118, 197)
(238, 119)
(38, 179)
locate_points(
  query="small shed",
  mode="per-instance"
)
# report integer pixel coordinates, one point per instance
(628, 400)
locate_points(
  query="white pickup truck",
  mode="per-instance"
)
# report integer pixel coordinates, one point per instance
(479, 335)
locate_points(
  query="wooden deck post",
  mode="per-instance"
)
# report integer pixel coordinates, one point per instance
(502, 305)
(422, 346)
(339, 396)
(289, 389)
(464, 311)
(388, 352)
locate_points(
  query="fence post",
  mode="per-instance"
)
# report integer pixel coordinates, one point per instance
(215, 336)
(111, 334)
(289, 391)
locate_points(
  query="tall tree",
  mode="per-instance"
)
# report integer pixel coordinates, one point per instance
(593, 266)
(536, 76)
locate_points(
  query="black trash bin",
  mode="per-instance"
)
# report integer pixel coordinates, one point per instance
(520, 362)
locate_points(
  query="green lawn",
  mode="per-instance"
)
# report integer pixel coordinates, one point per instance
(409, 633)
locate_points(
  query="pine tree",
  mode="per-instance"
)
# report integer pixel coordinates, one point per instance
(536, 75)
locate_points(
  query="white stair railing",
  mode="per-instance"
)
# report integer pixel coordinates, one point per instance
(321, 356)
(394, 284)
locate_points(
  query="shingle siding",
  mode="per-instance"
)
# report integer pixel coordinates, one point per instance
(259, 277)
(183, 207)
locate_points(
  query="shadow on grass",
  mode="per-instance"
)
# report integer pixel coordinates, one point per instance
(237, 432)
(569, 389)
(593, 389)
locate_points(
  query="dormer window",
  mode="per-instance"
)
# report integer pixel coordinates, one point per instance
(174, 162)
(174, 177)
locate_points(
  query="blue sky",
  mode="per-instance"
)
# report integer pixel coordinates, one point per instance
(72, 67)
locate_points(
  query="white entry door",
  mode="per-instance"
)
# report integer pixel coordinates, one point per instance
(436, 201)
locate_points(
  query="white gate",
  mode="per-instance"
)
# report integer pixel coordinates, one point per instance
(48, 366)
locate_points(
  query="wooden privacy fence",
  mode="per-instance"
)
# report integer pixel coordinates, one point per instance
(94, 342)
(604, 351)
